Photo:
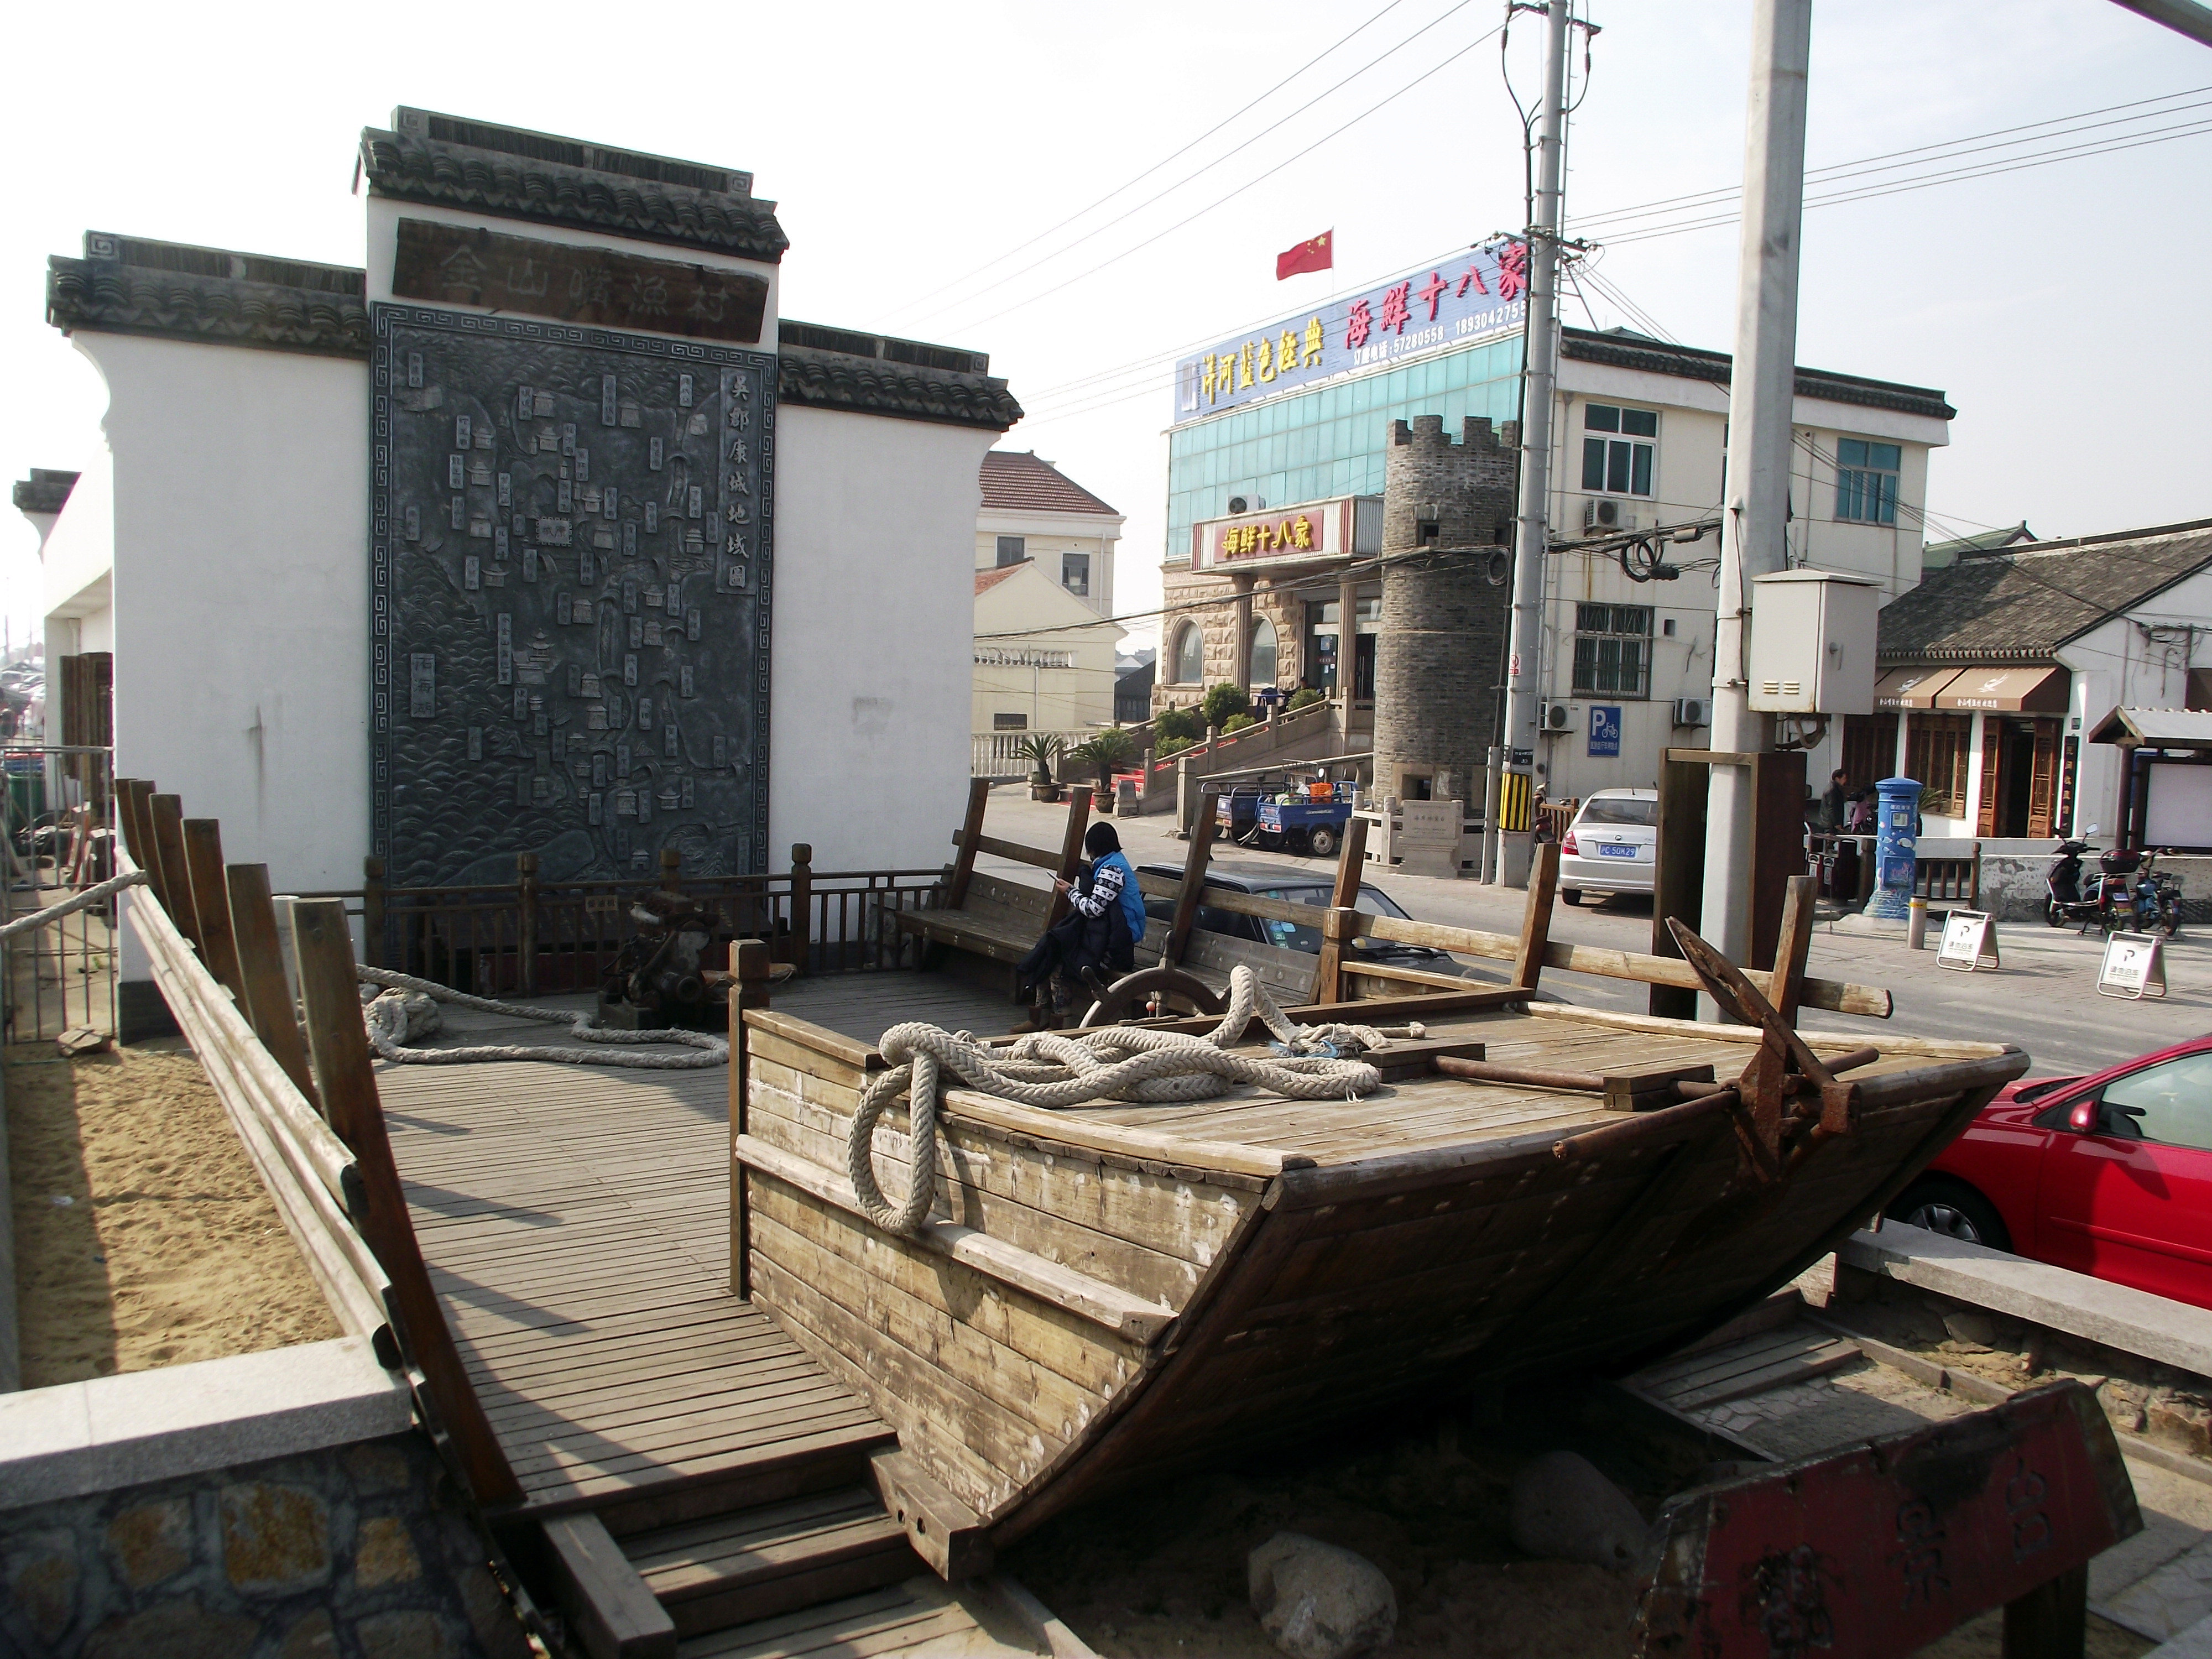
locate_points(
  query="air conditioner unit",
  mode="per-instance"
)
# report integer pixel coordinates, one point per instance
(1557, 717)
(1693, 711)
(1599, 515)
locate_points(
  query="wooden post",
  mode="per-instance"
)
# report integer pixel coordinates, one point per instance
(372, 912)
(671, 870)
(268, 1002)
(166, 815)
(750, 958)
(2051, 1620)
(1679, 882)
(203, 839)
(1194, 883)
(138, 828)
(1792, 944)
(971, 829)
(338, 1041)
(802, 904)
(1777, 844)
(526, 923)
(1071, 846)
(1336, 933)
(1536, 918)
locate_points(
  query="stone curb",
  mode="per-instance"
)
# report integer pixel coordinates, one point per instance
(2134, 1321)
(110, 1432)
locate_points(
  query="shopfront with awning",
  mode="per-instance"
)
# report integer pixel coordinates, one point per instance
(1986, 740)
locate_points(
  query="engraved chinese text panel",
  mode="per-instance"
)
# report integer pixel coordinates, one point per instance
(570, 547)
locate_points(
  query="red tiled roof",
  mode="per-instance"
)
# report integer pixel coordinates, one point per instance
(987, 580)
(1016, 481)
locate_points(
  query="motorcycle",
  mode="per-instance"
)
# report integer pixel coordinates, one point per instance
(2063, 899)
(2155, 899)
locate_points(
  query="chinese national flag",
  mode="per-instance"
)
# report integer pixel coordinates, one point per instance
(1319, 254)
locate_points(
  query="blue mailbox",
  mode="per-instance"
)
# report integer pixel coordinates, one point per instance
(1895, 849)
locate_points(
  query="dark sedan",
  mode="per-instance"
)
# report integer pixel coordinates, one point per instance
(1292, 887)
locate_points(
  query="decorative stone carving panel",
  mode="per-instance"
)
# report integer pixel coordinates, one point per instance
(570, 546)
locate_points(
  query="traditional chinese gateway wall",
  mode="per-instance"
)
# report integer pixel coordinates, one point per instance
(367, 598)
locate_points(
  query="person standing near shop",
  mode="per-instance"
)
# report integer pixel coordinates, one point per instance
(1835, 803)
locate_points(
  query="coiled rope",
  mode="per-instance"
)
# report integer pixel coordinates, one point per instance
(1054, 1070)
(407, 1008)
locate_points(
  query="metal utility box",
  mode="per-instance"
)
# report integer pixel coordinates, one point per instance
(1813, 642)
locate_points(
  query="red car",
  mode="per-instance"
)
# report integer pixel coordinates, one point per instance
(2109, 1174)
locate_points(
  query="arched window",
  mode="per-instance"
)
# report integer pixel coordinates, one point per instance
(1263, 654)
(1187, 665)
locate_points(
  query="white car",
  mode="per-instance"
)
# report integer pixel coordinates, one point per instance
(1612, 846)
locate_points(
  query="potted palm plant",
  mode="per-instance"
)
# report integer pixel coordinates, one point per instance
(1101, 754)
(1041, 750)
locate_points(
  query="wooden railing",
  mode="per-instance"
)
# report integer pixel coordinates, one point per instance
(1338, 973)
(306, 1110)
(531, 938)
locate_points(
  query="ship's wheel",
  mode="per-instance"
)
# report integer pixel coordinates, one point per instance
(1153, 993)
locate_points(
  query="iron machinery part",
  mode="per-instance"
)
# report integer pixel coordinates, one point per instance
(662, 976)
(1153, 993)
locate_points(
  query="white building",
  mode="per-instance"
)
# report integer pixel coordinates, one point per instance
(1044, 659)
(310, 647)
(1640, 440)
(1032, 510)
(1999, 669)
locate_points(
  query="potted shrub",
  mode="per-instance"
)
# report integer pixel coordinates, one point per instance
(1223, 703)
(1101, 754)
(1041, 750)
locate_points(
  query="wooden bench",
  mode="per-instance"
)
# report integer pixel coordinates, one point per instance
(987, 923)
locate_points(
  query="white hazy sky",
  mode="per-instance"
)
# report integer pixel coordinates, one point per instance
(2062, 307)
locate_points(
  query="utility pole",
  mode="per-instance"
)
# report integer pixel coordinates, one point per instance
(1756, 501)
(1540, 373)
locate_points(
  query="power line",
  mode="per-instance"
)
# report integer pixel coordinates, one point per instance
(1836, 173)
(1217, 126)
(1434, 69)
(1868, 163)
(1159, 195)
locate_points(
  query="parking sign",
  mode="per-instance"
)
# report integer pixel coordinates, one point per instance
(1605, 729)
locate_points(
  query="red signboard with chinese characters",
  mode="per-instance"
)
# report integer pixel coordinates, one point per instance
(1882, 1548)
(1294, 532)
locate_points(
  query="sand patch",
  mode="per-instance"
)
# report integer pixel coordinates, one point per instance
(144, 1236)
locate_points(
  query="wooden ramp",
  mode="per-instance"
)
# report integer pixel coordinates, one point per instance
(575, 1221)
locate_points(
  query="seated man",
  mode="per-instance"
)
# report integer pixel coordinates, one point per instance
(1096, 941)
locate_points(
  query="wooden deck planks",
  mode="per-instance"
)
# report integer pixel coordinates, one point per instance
(575, 1221)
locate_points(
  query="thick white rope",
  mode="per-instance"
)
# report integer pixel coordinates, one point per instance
(84, 901)
(406, 1009)
(1053, 1070)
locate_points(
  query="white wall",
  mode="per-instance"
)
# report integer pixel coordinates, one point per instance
(873, 624)
(2116, 665)
(241, 593)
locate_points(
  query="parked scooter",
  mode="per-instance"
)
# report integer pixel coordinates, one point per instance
(2066, 899)
(2128, 894)
(2155, 899)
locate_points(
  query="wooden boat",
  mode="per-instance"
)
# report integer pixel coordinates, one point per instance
(1113, 1292)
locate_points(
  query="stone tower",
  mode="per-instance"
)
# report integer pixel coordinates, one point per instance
(1440, 658)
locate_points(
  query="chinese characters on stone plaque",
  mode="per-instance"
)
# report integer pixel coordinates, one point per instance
(533, 483)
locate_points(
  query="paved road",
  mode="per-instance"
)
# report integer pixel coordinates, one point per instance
(2044, 998)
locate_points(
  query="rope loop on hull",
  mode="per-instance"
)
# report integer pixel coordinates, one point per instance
(1053, 1070)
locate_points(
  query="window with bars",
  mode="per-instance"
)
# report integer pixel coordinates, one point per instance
(1936, 754)
(1613, 650)
(1866, 481)
(1618, 464)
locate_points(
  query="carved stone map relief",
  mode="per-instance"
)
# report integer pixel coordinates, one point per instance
(570, 547)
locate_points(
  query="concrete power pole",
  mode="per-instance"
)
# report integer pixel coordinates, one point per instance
(1541, 358)
(1756, 501)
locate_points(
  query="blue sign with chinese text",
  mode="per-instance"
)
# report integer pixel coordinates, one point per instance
(1474, 292)
(1605, 729)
